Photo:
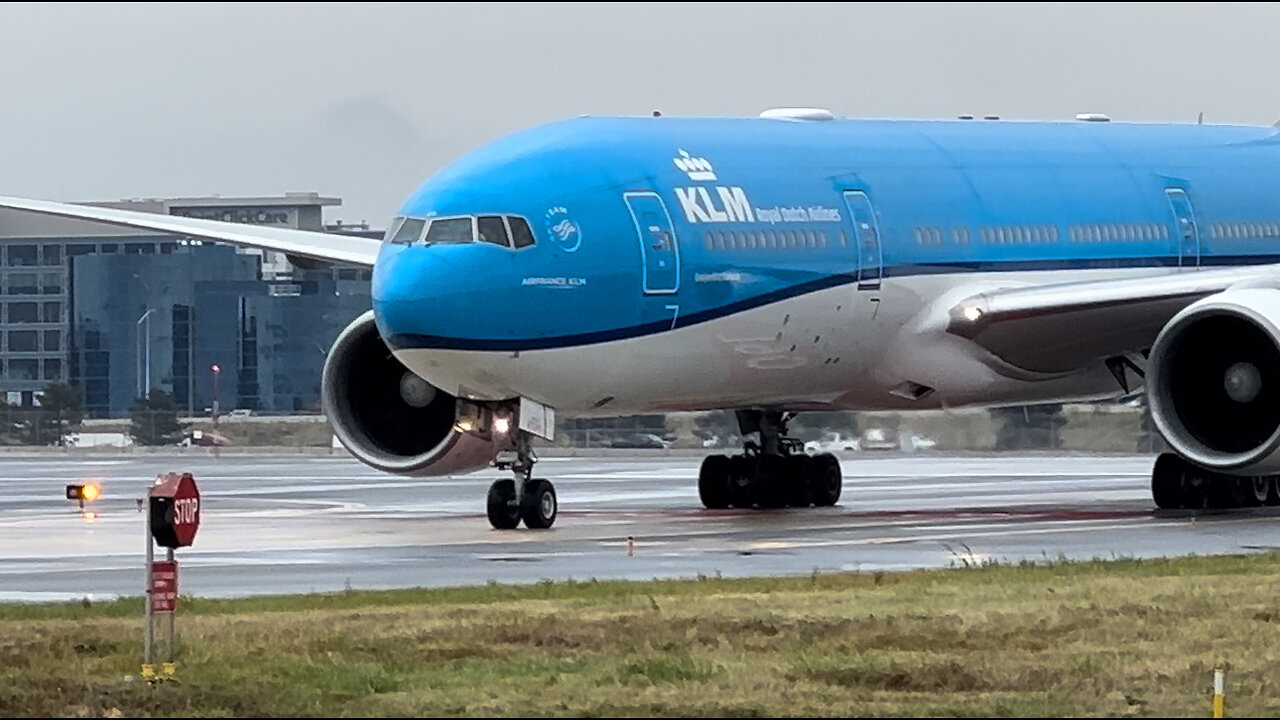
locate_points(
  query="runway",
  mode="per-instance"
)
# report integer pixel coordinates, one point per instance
(286, 524)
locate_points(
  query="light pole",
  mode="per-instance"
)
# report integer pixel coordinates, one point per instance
(216, 370)
(145, 390)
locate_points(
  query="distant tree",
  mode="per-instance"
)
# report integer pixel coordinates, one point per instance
(1031, 427)
(715, 424)
(61, 412)
(154, 420)
(57, 413)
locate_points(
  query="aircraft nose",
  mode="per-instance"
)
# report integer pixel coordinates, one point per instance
(424, 291)
(403, 287)
(399, 275)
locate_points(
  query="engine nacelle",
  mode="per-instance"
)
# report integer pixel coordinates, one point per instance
(390, 418)
(1213, 382)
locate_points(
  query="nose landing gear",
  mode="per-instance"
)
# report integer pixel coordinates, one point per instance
(773, 473)
(525, 497)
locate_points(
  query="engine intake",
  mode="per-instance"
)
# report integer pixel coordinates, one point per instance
(389, 418)
(1214, 382)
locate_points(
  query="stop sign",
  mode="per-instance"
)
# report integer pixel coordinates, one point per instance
(175, 510)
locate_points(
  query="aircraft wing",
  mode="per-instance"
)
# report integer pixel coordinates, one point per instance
(1059, 328)
(328, 247)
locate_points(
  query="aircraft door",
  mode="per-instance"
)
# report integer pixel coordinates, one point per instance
(1186, 234)
(866, 236)
(659, 250)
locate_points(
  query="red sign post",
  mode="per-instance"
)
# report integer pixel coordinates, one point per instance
(164, 587)
(173, 518)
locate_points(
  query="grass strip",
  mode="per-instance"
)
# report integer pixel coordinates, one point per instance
(1127, 637)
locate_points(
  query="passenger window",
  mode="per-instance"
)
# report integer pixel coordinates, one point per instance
(409, 232)
(492, 230)
(521, 235)
(454, 231)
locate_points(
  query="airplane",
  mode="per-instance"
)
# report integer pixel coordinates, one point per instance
(797, 262)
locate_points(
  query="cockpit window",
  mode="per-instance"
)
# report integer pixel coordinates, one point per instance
(451, 231)
(521, 235)
(491, 229)
(409, 232)
(393, 228)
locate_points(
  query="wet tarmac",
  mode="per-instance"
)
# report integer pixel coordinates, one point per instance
(286, 524)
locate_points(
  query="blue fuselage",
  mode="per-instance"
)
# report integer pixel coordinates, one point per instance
(648, 225)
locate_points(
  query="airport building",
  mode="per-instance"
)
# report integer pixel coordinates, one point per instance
(117, 312)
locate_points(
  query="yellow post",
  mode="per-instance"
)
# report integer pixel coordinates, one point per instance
(1219, 692)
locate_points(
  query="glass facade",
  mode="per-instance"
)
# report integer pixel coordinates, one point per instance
(34, 284)
(111, 311)
(203, 305)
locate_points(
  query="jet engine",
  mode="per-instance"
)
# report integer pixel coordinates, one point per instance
(392, 419)
(1213, 382)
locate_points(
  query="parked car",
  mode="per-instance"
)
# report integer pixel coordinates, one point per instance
(204, 438)
(647, 441)
(877, 439)
(830, 442)
(922, 443)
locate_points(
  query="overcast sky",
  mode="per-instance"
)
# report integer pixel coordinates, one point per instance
(366, 101)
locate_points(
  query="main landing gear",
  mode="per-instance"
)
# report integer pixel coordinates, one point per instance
(1176, 483)
(526, 498)
(773, 473)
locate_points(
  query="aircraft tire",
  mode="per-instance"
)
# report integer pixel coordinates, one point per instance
(539, 506)
(742, 481)
(1228, 493)
(1197, 491)
(1273, 490)
(1167, 481)
(503, 513)
(801, 478)
(1259, 488)
(713, 482)
(771, 481)
(828, 480)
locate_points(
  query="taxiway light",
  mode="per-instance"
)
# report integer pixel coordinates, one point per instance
(84, 492)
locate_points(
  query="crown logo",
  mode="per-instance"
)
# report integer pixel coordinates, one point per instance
(698, 169)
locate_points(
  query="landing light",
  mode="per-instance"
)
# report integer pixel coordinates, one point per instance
(501, 425)
(973, 313)
(464, 426)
